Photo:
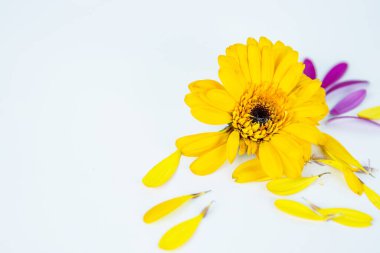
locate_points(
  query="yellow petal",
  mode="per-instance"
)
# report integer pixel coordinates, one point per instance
(292, 77)
(239, 52)
(221, 100)
(242, 147)
(267, 65)
(233, 145)
(210, 115)
(370, 113)
(204, 85)
(186, 140)
(297, 209)
(265, 42)
(351, 179)
(270, 160)
(254, 62)
(204, 144)
(231, 77)
(210, 161)
(162, 209)
(318, 110)
(288, 186)
(163, 171)
(285, 64)
(347, 217)
(305, 132)
(372, 196)
(181, 233)
(249, 171)
(336, 150)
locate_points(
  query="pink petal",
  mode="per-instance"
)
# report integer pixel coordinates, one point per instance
(345, 84)
(309, 68)
(334, 74)
(353, 117)
(349, 102)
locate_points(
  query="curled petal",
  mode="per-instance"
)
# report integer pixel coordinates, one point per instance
(309, 68)
(344, 84)
(353, 117)
(334, 74)
(349, 102)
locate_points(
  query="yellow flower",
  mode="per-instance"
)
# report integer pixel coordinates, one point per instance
(267, 107)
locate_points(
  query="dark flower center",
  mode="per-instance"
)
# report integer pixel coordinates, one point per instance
(260, 114)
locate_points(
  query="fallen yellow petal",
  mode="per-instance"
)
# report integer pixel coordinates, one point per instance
(297, 209)
(288, 186)
(164, 208)
(347, 217)
(336, 150)
(233, 145)
(370, 113)
(372, 196)
(163, 171)
(182, 232)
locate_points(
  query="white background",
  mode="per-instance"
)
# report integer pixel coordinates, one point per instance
(91, 97)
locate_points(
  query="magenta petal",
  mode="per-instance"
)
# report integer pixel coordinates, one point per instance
(309, 68)
(349, 102)
(354, 117)
(345, 84)
(334, 74)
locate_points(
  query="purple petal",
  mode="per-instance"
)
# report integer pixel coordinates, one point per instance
(309, 68)
(345, 84)
(349, 102)
(334, 74)
(354, 117)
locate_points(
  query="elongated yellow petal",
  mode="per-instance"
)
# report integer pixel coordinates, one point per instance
(289, 60)
(204, 144)
(163, 171)
(288, 186)
(164, 208)
(221, 99)
(211, 115)
(270, 160)
(233, 145)
(372, 196)
(297, 209)
(239, 52)
(305, 132)
(249, 171)
(370, 113)
(267, 65)
(210, 161)
(292, 77)
(351, 179)
(254, 62)
(204, 85)
(336, 150)
(347, 217)
(231, 76)
(188, 139)
(181, 233)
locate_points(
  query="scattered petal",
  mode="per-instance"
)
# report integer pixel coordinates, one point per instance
(347, 217)
(349, 102)
(355, 118)
(309, 68)
(297, 209)
(344, 84)
(164, 208)
(370, 113)
(163, 171)
(336, 151)
(182, 232)
(334, 74)
(372, 196)
(288, 186)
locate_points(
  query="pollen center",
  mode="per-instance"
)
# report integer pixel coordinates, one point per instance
(260, 114)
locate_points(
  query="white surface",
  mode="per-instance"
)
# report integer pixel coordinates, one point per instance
(91, 96)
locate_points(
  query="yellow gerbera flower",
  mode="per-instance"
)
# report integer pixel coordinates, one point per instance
(268, 108)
